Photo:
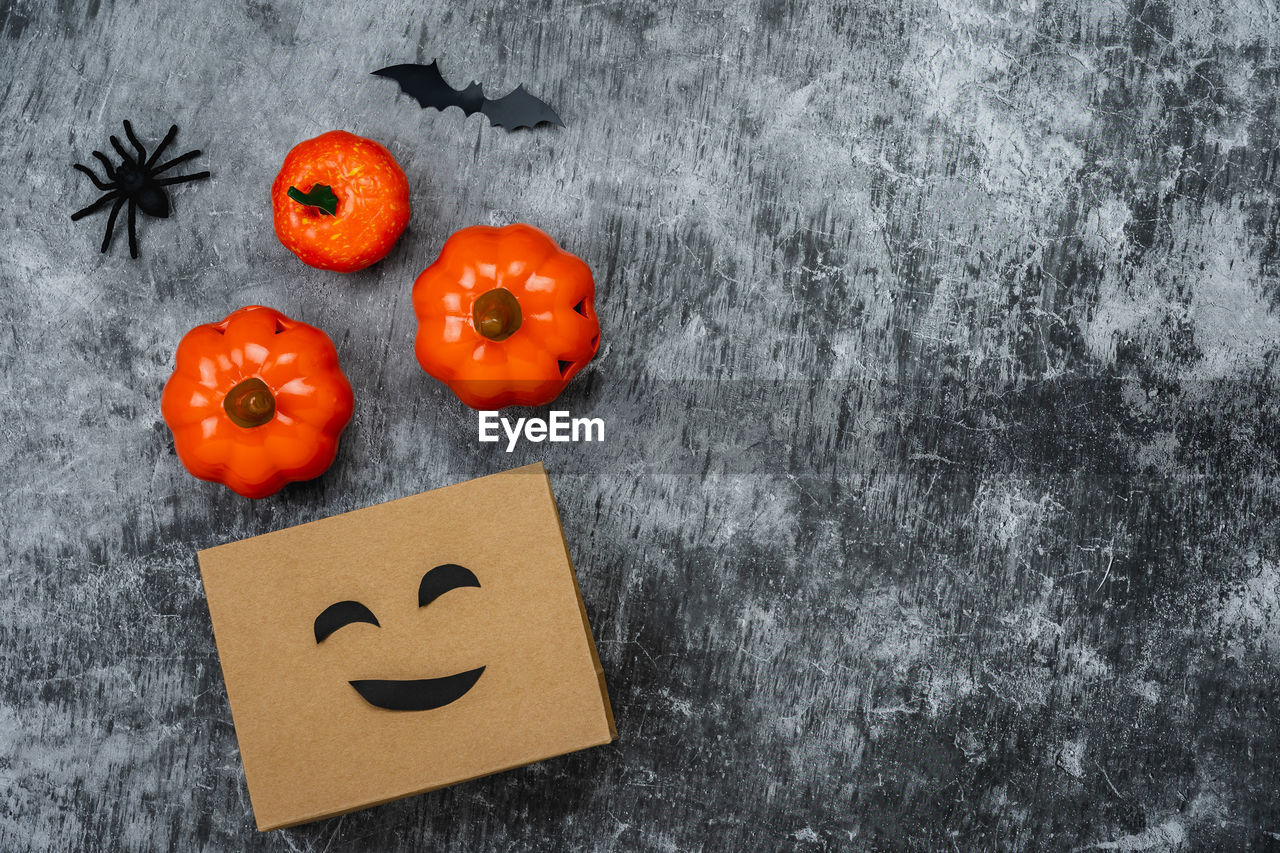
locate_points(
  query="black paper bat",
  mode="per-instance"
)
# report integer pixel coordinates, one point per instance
(516, 109)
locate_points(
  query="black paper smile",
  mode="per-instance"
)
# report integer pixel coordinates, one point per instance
(419, 694)
(422, 694)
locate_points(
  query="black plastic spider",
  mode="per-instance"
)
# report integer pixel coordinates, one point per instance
(135, 181)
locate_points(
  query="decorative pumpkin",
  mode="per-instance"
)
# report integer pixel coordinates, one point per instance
(340, 201)
(256, 401)
(505, 316)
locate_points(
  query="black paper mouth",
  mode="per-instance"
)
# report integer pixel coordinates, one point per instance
(422, 694)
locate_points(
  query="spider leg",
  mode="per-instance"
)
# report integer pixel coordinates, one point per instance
(111, 223)
(175, 161)
(133, 229)
(97, 183)
(164, 143)
(182, 179)
(85, 211)
(115, 143)
(106, 163)
(128, 131)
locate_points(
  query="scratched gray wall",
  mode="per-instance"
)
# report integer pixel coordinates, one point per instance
(938, 503)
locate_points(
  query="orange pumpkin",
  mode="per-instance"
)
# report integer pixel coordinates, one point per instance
(505, 316)
(256, 401)
(340, 201)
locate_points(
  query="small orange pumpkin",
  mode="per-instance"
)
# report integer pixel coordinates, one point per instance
(340, 201)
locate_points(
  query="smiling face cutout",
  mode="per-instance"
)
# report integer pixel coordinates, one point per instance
(347, 691)
(416, 694)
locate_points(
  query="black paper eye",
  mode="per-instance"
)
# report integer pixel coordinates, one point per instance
(343, 613)
(441, 579)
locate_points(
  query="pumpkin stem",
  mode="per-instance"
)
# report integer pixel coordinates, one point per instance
(496, 314)
(250, 403)
(320, 196)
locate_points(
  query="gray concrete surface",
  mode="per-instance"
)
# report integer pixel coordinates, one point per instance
(937, 509)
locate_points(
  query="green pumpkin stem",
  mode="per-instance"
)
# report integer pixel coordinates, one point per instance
(320, 197)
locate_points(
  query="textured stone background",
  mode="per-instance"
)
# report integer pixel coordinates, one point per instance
(938, 506)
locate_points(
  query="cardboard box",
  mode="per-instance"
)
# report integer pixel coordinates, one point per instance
(405, 647)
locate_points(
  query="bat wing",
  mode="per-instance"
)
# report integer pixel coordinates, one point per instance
(519, 109)
(428, 87)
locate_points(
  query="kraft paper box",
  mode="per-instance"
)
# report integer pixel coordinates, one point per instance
(405, 647)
